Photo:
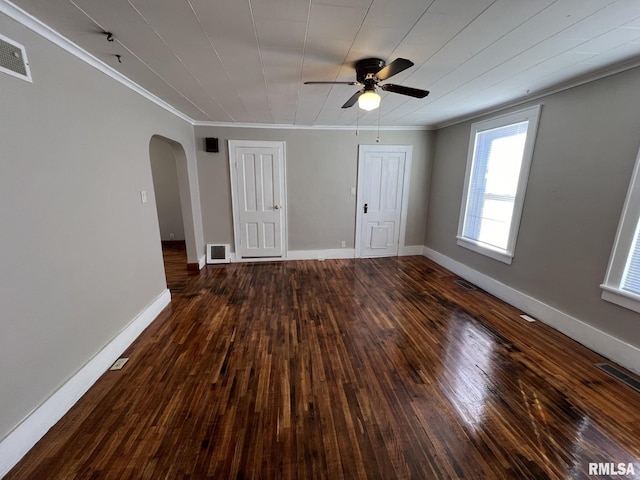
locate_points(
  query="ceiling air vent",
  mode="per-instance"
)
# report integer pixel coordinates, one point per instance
(13, 59)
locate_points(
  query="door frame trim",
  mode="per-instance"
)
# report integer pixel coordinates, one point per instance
(233, 177)
(362, 150)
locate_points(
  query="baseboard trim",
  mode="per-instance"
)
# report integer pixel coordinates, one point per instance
(177, 244)
(411, 250)
(600, 342)
(329, 254)
(193, 267)
(24, 436)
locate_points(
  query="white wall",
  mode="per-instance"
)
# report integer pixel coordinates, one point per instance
(321, 170)
(166, 189)
(80, 254)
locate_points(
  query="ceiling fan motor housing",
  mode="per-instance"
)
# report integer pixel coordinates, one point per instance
(370, 71)
(368, 66)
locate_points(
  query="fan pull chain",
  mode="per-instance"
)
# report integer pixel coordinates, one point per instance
(378, 136)
(357, 117)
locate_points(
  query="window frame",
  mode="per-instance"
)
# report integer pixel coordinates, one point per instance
(612, 290)
(532, 115)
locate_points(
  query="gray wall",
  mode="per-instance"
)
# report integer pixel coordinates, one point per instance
(587, 142)
(80, 254)
(321, 170)
(166, 189)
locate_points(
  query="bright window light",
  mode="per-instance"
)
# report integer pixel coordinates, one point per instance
(622, 281)
(497, 167)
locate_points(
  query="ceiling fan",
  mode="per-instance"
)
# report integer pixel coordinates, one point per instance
(369, 72)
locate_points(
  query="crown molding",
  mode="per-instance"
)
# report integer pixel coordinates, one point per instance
(568, 85)
(284, 126)
(29, 21)
(32, 23)
(35, 25)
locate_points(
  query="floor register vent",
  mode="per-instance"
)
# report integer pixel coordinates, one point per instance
(218, 254)
(620, 375)
(466, 285)
(13, 59)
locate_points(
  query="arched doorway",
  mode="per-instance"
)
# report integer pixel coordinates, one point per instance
(174, 206)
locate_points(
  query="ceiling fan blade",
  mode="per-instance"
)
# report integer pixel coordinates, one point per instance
(395, 67)
(331, 83)
(351, 102)
(412, 92)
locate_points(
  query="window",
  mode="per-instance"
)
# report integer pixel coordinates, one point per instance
(622, 282)
(500, 151)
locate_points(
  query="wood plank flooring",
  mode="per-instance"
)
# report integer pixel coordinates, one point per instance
(342, 369)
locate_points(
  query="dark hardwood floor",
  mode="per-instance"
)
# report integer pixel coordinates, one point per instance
(342, 369)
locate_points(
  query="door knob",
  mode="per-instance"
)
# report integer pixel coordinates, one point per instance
(276, 207)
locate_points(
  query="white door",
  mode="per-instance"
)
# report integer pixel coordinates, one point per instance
(258, 197)
(383, 187)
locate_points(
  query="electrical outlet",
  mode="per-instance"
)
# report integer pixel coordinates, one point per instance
(343, 244)
(119, 364)
(143, 196)
(172, 236)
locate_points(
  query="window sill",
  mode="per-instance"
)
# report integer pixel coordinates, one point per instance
(497, 254)
(621, 297)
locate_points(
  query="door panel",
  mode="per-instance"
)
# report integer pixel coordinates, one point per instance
(382, 188)
(381, 236)
(258, 193)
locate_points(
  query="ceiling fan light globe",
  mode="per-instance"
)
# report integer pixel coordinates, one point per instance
(369, 101)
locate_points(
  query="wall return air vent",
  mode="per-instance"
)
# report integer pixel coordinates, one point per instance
(13, 59)
(218, 254)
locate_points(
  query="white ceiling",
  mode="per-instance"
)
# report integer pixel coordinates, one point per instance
(245, 61)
